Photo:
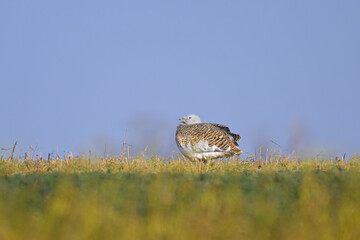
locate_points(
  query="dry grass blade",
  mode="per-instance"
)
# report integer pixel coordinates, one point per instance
(13, 150)
(123, 147)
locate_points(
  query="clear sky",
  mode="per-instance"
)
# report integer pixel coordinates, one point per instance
(75, 75)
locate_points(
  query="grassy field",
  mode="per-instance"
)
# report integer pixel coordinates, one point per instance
(273, 198)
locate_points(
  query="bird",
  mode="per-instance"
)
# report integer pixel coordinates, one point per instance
(205, 141)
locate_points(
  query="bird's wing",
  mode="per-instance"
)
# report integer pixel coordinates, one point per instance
(205, 133)
(235, 136)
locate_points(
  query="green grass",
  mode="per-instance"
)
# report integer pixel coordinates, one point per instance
(74, 198)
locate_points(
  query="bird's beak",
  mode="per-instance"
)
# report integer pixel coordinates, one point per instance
(181, 119)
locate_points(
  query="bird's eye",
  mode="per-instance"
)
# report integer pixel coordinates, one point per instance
(189, 117)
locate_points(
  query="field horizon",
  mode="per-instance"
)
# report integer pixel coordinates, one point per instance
(44, 163)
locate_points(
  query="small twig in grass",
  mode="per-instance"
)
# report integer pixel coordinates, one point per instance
(123, 146)
(13, 150)
(340, 159)
(267, 154)
(89, 159)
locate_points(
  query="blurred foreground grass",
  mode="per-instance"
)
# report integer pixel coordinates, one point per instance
(74, 198)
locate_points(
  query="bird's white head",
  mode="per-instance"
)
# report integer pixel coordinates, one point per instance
(190, 119)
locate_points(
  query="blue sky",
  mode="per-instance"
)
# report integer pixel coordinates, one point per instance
(75, 75)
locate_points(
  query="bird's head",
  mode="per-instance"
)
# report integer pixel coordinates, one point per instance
(190, 119)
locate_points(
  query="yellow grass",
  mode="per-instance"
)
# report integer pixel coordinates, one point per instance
(278, 198)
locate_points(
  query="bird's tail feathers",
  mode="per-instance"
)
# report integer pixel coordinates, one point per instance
(236, 150)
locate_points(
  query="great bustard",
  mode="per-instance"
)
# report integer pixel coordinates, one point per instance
(205, 141)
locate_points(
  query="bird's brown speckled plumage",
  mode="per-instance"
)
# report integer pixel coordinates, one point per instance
(214, 134)
(235, 136)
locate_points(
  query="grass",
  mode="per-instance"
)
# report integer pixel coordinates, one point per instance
(275, 198)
